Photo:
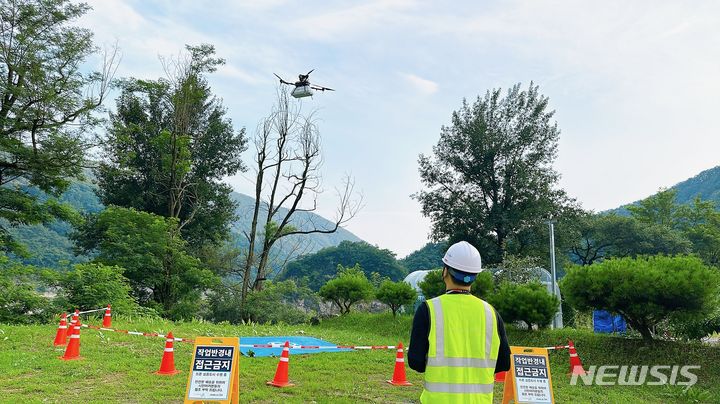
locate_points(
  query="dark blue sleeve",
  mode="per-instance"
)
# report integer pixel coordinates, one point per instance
(419, 344)
(503, 360)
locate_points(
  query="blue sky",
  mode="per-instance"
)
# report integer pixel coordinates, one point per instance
(635, 84)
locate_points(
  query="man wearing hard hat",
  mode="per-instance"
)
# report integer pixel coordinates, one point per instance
(457, 339)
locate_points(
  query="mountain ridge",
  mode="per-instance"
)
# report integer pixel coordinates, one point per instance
(705, 184)
(52, 248)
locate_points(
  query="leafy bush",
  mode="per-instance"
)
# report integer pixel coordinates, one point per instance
(281, 302)
(278, 302)
(695, 327)
(396, 294)
(434, 286)
(20, 303)
(156, 260)
(483, 285)
(91, 286)
(530, 303)
(349, 287)
(224, 303)
(645, 291)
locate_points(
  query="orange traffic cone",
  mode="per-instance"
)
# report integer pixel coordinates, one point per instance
(72, 351)
(167, 366)
(73, 321)
(500, 377)
(281, 374)
(399, 378)
(576, 367)
(107, 320)
(61, 334)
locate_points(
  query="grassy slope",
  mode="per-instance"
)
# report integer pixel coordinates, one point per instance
(118, 367)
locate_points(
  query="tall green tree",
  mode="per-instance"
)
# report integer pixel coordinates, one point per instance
(154, 257)
(700, 223)
(611, 235)
(659, 209)
(46, 107)
(168, 146)
(697, 221)
(490, 180)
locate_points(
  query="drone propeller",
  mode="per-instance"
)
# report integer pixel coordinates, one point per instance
(321, 88)
(282, 81)
(308, 73)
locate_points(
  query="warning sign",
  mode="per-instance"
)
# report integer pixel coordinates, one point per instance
(214, 371)
(529, 380)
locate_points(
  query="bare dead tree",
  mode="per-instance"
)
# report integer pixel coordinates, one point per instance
(288, 163)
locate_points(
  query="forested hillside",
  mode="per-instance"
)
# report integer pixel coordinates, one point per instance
(706, 185)
(428, 257)
(321, 266)
(50, 247)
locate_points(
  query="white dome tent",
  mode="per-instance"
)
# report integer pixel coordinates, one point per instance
(416, 277)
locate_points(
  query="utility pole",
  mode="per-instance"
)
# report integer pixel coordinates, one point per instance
(557, 319)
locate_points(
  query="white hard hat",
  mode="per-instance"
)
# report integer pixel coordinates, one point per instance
(463, 257)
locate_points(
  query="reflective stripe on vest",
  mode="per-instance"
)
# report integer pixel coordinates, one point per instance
(467, 375)
(458, 388)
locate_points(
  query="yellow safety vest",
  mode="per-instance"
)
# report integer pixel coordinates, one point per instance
(464, 345)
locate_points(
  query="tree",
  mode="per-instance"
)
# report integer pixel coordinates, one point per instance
(322, 265)
(491, 181)
(46, 107)
(432, 285)
(281, 302)
(168, 147)
(483, 286)
(530, 303)
(20, 301)
(92, 285)
(659, 209)
(645, 290)
(429, 256)
(161, 272)
(610, 235)
(700, 223)
(396, 294)
(515, 269)
(349, 287)
(287, 174)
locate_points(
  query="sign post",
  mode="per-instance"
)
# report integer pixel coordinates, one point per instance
(214, 371)
(529, 378)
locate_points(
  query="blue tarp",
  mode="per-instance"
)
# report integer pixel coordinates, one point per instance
(605, 323)
(294, 341)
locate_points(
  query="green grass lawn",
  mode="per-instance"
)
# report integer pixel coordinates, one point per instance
(118, 367)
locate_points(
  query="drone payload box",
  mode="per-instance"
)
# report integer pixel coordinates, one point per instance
(302, 91)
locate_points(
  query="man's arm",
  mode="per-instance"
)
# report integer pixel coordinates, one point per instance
(503, 360)
(419, 344)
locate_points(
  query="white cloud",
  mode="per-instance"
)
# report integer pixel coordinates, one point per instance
(422, 85)
(355, 21)
(234, 72)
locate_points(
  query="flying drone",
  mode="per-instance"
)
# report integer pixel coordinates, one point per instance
(303, 88)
